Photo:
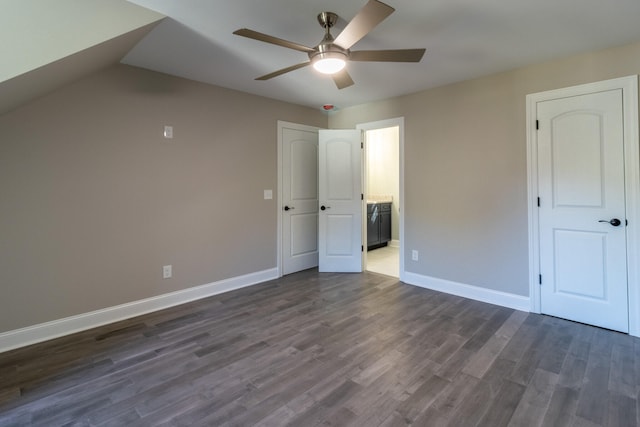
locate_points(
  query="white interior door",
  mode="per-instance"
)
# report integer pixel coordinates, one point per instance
(340, 198)
(583, 260)
(299, 199)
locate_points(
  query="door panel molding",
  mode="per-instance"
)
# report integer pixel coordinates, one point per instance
(629, 87)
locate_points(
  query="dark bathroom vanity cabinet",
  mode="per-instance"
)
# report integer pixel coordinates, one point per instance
(378, 224)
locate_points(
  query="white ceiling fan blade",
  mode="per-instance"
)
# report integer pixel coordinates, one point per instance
(373, 13)
(283, 71)
(393, 55)
(245, 32)
(342, 79)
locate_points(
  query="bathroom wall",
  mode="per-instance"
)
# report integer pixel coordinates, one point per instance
(383, 170)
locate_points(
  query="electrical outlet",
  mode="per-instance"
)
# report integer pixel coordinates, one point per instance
(414, 255)
(168, 132)
(167, 271)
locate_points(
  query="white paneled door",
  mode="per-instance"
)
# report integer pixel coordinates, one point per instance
(299, 198)
(583, 259)
(340, 198)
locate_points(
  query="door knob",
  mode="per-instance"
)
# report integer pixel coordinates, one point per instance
(287, 208)
(323, 207)
(614, 221)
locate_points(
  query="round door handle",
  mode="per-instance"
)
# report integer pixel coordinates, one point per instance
(614, 221)
(287, 208)
(323, 207)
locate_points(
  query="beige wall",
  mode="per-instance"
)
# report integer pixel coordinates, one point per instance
(465, 166)
(93, 200)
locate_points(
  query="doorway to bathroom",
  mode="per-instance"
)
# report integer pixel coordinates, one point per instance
(382, 223)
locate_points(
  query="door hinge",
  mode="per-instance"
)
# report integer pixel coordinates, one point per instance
(537, 125)
(540, 279)
(362, 145)
(362, 248)
(538, 201)
(361, 196)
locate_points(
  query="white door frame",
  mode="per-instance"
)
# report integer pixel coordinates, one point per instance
(281, 126)
(629, 86)
(381, 124)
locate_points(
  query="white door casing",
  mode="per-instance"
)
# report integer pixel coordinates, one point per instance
(298, 197)
(583, 262)
(340, 191)
(583, 165)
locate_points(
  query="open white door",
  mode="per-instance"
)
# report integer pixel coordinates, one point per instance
(340, 198)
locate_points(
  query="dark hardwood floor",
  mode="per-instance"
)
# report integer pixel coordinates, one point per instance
(332, 350)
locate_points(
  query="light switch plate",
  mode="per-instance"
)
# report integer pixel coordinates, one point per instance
(168, 132)
(268, 194)
(167, 271)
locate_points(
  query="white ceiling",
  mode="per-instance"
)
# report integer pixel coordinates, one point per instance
(45, 45)
(464, 39)
(34, 33)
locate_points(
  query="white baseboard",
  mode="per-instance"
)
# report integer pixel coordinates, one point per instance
(517, 302)
(69, 325)
(394, 243)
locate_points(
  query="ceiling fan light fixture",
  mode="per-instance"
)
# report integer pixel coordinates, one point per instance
(329, 62)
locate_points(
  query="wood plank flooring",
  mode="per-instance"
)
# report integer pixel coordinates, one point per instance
(324, 349)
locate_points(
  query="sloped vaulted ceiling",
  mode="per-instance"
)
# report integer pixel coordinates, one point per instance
(45, 44)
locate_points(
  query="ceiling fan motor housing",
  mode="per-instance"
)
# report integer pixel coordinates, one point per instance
(327, 49)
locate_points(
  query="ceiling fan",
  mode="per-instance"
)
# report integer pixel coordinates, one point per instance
(331, 55)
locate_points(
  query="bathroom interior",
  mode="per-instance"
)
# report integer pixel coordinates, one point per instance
(383, 201)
